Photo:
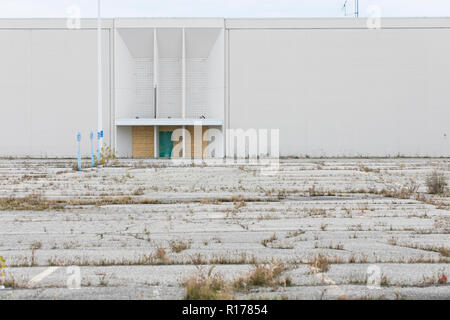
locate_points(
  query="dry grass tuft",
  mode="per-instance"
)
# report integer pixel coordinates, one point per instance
(36, 245)
(31, 202)
(10, 283)
(313, 192)
(320, 263)
(178, 246)
(367, 169)
(268, 241)
(37, 203)
(267, 275)
(139, 191)
(403, 192)
(161, 255)
(436, 182)
(206, 286)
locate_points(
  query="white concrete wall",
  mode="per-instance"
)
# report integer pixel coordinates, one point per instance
(343, 92)
(331, 86)
(205, 73)
(48, 91)
(125, 80)
(216, 71)
(169, 72)
(124, 142)
(134, 73)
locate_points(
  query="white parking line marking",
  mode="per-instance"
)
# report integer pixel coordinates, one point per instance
(43, 275)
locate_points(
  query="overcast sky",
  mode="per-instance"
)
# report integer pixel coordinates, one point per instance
(221, 8)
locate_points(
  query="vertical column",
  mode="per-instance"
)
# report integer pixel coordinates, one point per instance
(227, 108)
(183, 75)
(183, 88)
(155, 91)
(156, 142)
(155, 71)
(99, 82)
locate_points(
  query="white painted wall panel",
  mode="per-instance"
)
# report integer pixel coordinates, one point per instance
(48, 91)
(15, 86)
(344, 92)
(125, 80)
(124, 142)
(216, 78)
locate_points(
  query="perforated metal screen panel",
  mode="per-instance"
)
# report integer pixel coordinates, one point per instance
(170, 88)
(144, 87)
(197, 87)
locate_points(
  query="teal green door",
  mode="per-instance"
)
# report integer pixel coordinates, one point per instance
(165, 144)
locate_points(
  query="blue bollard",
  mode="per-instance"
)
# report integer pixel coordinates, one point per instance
(79, 151)
(99, 136)
(92, 150)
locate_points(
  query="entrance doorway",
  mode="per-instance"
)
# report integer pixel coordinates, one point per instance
(165, 144)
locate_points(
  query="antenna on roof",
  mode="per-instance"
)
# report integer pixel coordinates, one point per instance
(344, 8)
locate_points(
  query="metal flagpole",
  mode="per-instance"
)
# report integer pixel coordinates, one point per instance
(100, 98)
